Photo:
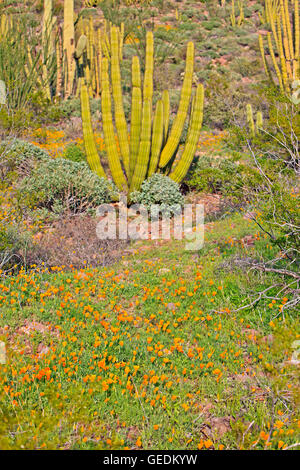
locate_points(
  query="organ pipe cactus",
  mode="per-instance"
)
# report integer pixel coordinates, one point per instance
(259, 122)
(250, 120)
(177, 127)
(47, 23)
(2, 92)
(152, 147)
(61, 45)
(237, 22)
(283, 42)
(118, 100)
(90, 146)
(183, 165)
(254, 127)
(69, 46)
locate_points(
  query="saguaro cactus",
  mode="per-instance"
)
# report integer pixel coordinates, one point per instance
(151, 145)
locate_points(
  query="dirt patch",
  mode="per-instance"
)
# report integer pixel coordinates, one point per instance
(73, 242)
(21, 339)
(29, 327)
(217, 427)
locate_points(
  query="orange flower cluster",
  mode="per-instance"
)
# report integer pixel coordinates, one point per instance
(134, 348)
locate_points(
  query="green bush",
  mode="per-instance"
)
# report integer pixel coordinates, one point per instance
(211, 174)
(283, 200)
(160, 190)
(71, 107)
(61, 185)
(74, 153)
(225, 176)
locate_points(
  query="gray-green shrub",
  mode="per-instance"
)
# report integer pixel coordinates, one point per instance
(161, 190)
(61, 185)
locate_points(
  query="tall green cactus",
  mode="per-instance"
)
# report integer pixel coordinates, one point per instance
(118, 100)
(88, 136)
(59, 68)
(259, 122)
(184, 163)
(177, 127)
(283, 41)
(141, 165)
(47, 23)
(108, 130)
(69, 45)
(166, 110)
(151, 145)
(136, 114)
(142, 160)
(157, 137)
(2, 92)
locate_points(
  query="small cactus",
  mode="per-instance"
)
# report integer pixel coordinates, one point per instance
(255, 128)
(250, 120)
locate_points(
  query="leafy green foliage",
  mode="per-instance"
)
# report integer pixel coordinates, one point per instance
(74, 153)
(225, 176)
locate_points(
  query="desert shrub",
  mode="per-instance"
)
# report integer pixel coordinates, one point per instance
(273, 204)
(217, 111)
(210, 24)
(61, 186)
(161, 190)
(71, 107)
(232, 179)
(74, 153)
(19, 157)
(15, 242)
(280, 215)
(278, 161)
(212, 174)
(281, 125)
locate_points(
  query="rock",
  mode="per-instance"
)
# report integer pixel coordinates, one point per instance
(171, 306)
(43, 350)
